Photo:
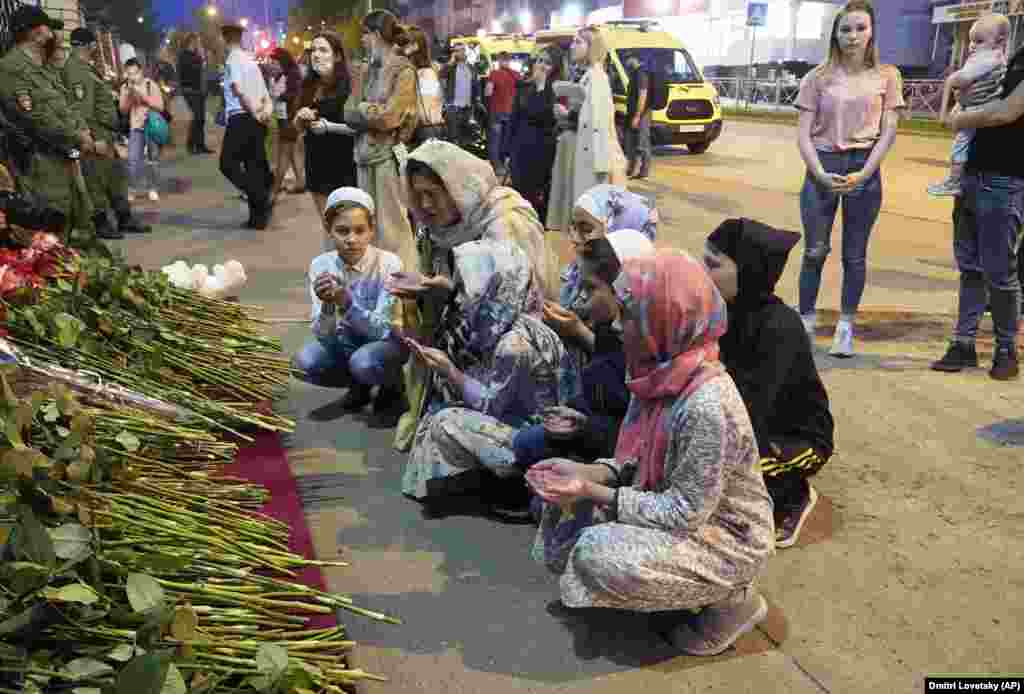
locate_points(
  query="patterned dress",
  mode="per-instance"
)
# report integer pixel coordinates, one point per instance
(514, 367)
(705, 531)
(487, 211)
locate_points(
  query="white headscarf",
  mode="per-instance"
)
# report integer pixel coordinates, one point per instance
(629, 243)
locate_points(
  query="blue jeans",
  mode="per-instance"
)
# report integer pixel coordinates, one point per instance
(818, 207)
(986, 233)
(497, 146)
(327, 361)
(141, 166)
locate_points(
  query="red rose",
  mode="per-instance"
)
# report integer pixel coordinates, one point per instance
(48, 266)
(44, 241)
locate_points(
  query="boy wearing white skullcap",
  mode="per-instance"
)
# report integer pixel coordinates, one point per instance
(356, 321)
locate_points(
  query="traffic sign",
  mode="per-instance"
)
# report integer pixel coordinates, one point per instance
(757, 14)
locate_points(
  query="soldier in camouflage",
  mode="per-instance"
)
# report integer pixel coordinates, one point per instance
(95, 102)
(38, 101)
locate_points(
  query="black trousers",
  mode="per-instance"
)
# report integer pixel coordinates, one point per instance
(196, 101)
(787, 470)
(243, 159)
(458, 124)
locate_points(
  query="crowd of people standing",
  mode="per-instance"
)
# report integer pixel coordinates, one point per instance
(658, 416)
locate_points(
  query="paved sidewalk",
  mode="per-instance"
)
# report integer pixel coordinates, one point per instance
(913, 563)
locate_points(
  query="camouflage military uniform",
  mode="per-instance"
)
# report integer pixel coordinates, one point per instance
(87, 90)
(34, 95)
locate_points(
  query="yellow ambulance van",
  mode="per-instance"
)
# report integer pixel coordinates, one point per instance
(693, 112)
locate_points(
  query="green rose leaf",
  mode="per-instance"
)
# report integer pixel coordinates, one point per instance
(145, 674)
(71, 541)
(129, 441)
(124, 653)
(174, 683)
(84, 668)
(33, 320)
(24, 576)
(33, 542)
(69, 329)
(73, 592)
(144, 593)
(51, 412)
(272, 662)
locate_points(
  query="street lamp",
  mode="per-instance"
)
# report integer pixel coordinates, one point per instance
(295, 40)
(571, 15)
(244, 22)
(211, 11)
(524, 20)
(140, 20)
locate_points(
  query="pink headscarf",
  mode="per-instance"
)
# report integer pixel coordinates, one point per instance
(672, 318)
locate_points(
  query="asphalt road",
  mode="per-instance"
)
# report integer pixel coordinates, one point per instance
(912, 563)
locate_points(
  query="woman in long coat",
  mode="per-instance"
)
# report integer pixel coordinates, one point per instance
(532, 132)
(588, 153)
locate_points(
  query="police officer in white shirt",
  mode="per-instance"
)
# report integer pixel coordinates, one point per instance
(247, 108)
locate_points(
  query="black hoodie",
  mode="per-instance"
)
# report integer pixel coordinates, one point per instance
(766, 349)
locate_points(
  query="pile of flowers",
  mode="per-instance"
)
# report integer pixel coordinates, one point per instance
(131, 565)
(24, 271)
(131, 562)
(137, 330)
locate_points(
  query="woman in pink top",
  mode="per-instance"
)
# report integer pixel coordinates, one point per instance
(849, 111)
(139, 94)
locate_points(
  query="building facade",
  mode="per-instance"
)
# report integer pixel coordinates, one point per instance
(920, 36)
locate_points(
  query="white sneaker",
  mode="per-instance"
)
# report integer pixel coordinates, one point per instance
(154, 196)
(948, 187)
(810, 324)
(842, 341)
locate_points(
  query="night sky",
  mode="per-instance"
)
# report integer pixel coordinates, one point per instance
(176, 12)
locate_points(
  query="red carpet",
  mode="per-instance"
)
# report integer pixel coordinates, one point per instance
(264, 462)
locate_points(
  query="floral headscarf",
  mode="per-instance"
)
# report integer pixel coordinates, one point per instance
(487, 210)
(620, 209)
(672, 318)
(494, 287)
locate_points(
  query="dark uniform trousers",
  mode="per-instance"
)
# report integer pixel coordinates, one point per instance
(243, 159)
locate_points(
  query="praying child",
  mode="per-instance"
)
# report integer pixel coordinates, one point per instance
(979, 81)
(356, 321)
